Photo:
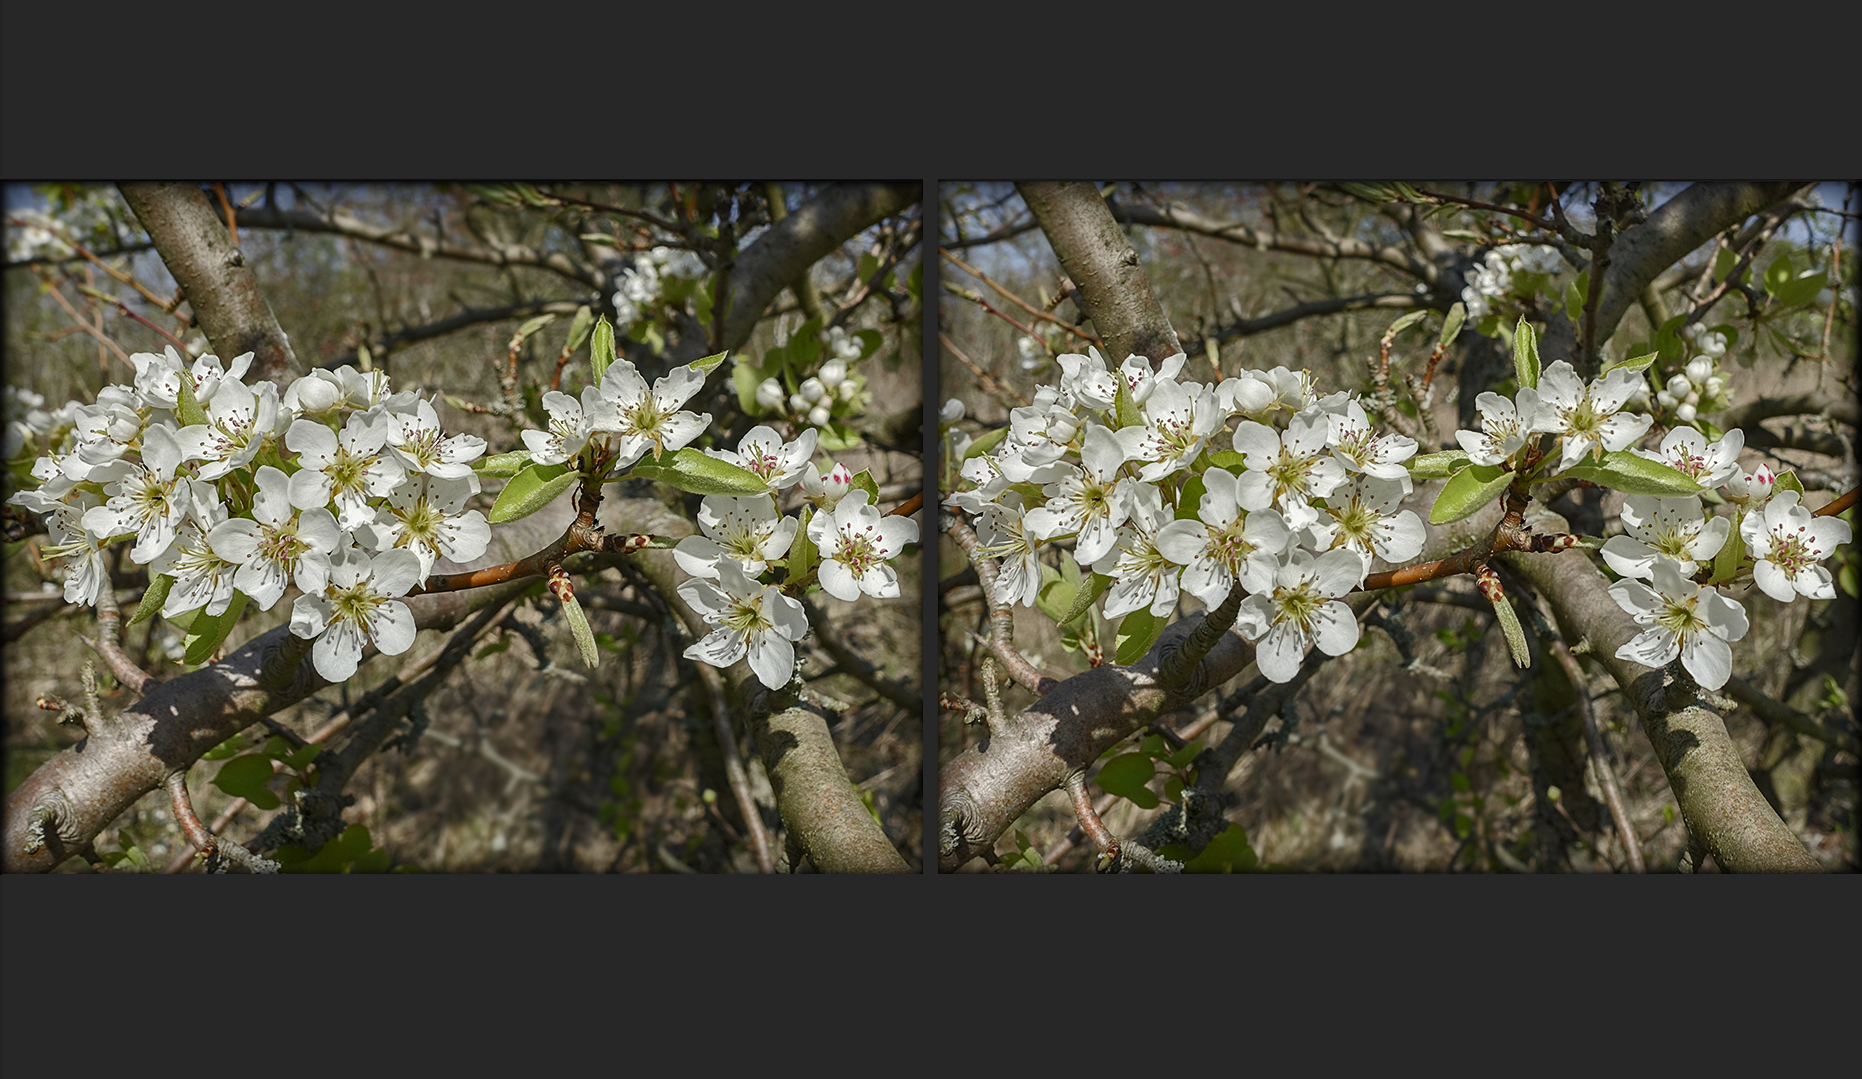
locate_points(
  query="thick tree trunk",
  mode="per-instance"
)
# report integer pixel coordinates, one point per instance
(220, 287)
(1097, 257)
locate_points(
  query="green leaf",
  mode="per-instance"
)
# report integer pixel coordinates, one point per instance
(578, 625)
(838, 436)
(1240, 853)
(985, 442)
(208, 631)
(1083, 598)
(153, 599)
(710, 363)
(1526, 354)
(1723, 264)
(863, 481)
(1467, 491)
(1630, 474)
(580, 328)
(1404, 323)
(802, 552)
(1801, 290)
(1574, 297)
(1057, 594)
(1126, 775)
(530, 327)
(1190, 498)
(228, 748)
(746, 377)
(1124, 409)
(1732, 552)
(187, 409)
(248, 777)
(503, 465)
(1778, 274)
(1136, 634)
(1451, 329)
(1435, 466)
(1182, 757)
(601, 348)
(1788, 481)
(1515, 636)
(531, 490)
(1229, 461)
(1632, 363)
(695, 471)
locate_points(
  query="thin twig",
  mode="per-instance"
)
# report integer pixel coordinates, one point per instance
(1599, 759)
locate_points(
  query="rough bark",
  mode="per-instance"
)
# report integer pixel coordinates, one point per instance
(780, 256)
(820, 806)
(1096, 256)
(1673, 229)
(220, 287)
(1723, 809)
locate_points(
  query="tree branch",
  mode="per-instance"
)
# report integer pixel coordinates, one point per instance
(1268, 240)
(221, 288)
(1094, 253)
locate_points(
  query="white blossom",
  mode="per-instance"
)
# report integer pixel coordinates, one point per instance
(747, 530)
(1143, 575)
(1688, 451)
(762, 451)
(1664, 528)
(652, 419)
(427, 515)
(1788, 543)
(1303, 609)
(1500, 434)
(352, 601)
(855, 543)
(1225, 544)
(1683, 619)
(1089, 500)
(270, 548)
(754, 620)
(1586, 416)
(1289, 469)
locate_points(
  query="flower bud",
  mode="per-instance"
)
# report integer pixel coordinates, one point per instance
(798, 404)
(1699, 369)
(1686, 413)
(847, 390)
(1692, 331)
(1665, 399)
(951, 412)
(819, 416)
(833, 373)
(812, 390)
(1679, 385)
(769, 394)
(1715, 384)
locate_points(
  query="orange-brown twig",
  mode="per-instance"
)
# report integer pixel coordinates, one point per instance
(1842, 503)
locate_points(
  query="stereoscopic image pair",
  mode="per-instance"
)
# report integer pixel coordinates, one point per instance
(740, 527)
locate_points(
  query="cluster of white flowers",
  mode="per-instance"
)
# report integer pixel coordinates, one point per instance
(638, 287)
(1672, 541)
(625, 416)
(339, 485)
(1587, 418)
(1669, 541)
(1492, 277)
(740, 535)
(1134, 466)
(816, 399)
